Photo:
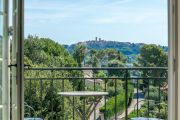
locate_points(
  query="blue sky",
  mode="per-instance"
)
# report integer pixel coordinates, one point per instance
(71, 21)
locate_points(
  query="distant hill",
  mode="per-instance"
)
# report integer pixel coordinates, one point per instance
(126, 48)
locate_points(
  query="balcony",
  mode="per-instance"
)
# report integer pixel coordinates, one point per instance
(132, 93)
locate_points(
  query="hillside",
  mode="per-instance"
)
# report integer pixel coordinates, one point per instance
(126, 48)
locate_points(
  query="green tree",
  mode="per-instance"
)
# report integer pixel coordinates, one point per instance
(93, 60)
(79, 54)
(153, 56)
(93, 52)
(46, 51)
(110, 54)
(42, 95)
(116, 63)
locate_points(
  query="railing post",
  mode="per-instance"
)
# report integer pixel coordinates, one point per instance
(115, 99)
(41, 94)
(148, 97)
(30, 95)
(52, 95)
(126, 94)
(63, 97)
(137, 95)
(73, 98)
(94, 101)
(159, 94)
(84, 100)
(105, 89)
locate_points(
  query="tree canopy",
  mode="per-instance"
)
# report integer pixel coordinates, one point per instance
(79, 54)
(152, 56)
(44, 52)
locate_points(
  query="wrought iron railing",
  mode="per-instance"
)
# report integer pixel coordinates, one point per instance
(134, 85)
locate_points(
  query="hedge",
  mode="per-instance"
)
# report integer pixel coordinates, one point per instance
(109, 110)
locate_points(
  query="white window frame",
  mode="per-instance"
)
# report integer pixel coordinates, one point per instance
(174, 60)
(5, 63)
(18, 23)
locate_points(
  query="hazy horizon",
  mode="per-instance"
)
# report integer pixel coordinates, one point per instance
(69, 22)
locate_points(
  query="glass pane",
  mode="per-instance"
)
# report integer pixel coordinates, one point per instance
(1, 5)
(1, 37)
(1, 34)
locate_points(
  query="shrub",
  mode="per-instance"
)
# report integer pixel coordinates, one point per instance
(153, 94)
(109, 110)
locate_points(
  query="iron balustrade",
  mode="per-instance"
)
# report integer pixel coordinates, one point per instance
(125, 74)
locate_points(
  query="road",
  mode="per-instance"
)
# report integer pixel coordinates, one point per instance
(133, 105)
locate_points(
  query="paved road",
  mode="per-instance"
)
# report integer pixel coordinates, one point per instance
(139, 95)
(133, 105)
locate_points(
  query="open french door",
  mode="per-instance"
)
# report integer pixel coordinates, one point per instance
(4, 61)
(17, 64)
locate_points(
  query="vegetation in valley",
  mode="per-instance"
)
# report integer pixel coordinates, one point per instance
(155, 90)
(44, 52)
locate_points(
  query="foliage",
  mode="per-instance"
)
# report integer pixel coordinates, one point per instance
(114, 86)
(116, 63)
(101, 74)
(153, 93)
(109, 109)
(92, 87)
(152, 56)
(104, 57)
(125, 47)
(128, 49)
(117, 100)
(93, 60)
(151, 105)
(153, 112)
(42, 95)
(79, 53)
(46, 51)
(107, 55)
